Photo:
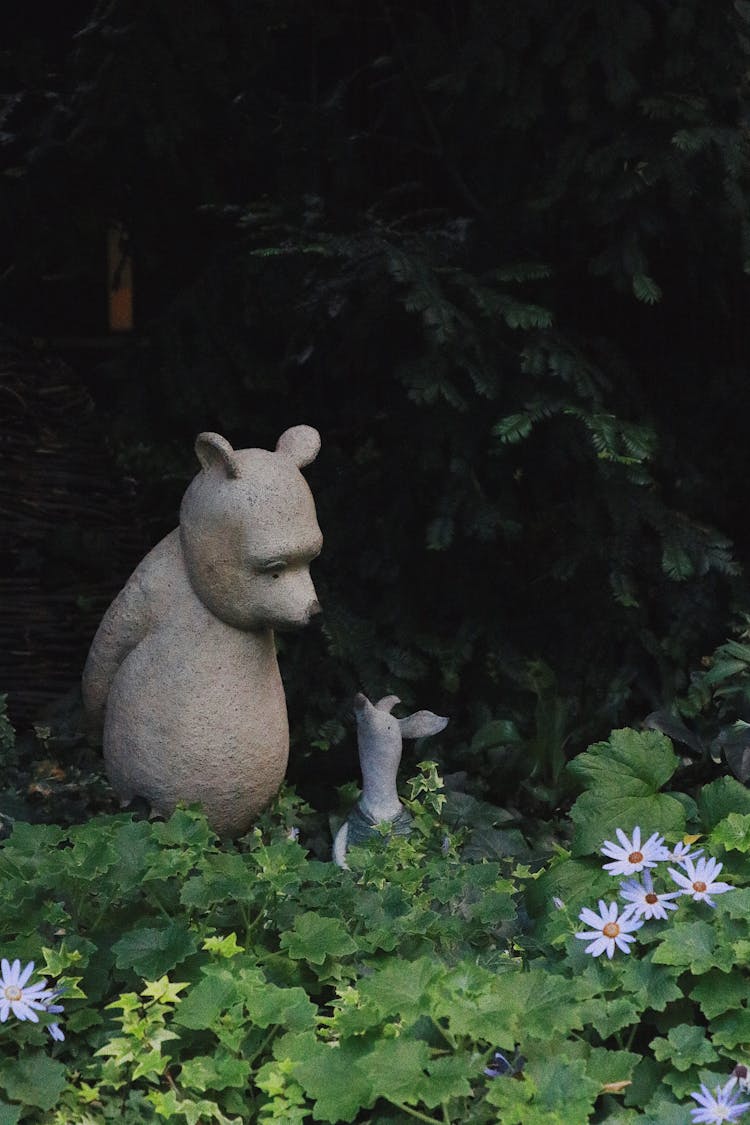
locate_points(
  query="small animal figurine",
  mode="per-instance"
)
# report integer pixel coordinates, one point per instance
(182, 674)
(380, 741)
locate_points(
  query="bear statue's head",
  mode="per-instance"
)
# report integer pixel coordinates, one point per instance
(249, 531)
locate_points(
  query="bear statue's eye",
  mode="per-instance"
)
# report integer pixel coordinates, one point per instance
(273, 568)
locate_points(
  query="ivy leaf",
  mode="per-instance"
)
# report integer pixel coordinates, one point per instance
(316, 937)
(223, 947)
(153, 951)
(34, 1079)
(169, 1106)
(684, 1046)
(623, 776)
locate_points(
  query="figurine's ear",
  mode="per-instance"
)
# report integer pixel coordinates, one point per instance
(387, 703)
(213, 449)
(422, 723)
(301, 443)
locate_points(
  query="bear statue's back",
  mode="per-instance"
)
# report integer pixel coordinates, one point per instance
(182, 674)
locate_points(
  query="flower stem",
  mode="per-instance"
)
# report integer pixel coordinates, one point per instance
(415, 1113)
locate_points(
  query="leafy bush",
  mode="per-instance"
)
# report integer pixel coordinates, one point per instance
(495, 277)
(249, 982)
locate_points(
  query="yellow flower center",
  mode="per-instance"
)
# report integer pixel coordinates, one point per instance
(651, 897)
(13, 993)
(611, 930)
(699, 887)
(635, 857)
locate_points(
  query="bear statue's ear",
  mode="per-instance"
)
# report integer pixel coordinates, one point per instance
(301, 443)
(213, 449)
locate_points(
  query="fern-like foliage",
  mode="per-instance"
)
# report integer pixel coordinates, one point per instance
(495, 253)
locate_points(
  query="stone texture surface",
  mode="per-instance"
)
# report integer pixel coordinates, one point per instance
(380, 738)
(182, 676)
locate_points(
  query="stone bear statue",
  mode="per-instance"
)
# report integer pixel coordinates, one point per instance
(182, 675)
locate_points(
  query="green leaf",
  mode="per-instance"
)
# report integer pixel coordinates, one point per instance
(214, 1072)
(641, 760)
(513, 428)
(694, 946)
(516, 1007)
(676, 563)
(396, 1068)
(732, 1029)
(606, 1066)
(607, 1017)
(186, 828)
(576, 881)
(153, 951)
(223, 947)
(652, 986)
(195, 1112)
(205, 1002)
(720, 798)
(684, 1046)
(401, 988)
(316, 937)
(440, 533)
(334, 1076)
(449, 1077)
(34, 1079)
(733, 833)
(623, 776)
(556, 1091)
(267, 1003)
(718, 992)
(646, 289)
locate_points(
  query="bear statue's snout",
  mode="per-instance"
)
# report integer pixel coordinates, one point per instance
(311, 615)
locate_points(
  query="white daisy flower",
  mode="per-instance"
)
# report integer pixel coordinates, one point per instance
(698, 880)
(54, 1009)
(608, 929)
(680, 853)
(644, 901)
(722, 1105)
(18, 997)
(633, 856)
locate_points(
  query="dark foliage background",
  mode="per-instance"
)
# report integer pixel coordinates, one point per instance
(498, 255)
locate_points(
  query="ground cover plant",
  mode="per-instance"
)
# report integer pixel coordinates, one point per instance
(254, 982)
